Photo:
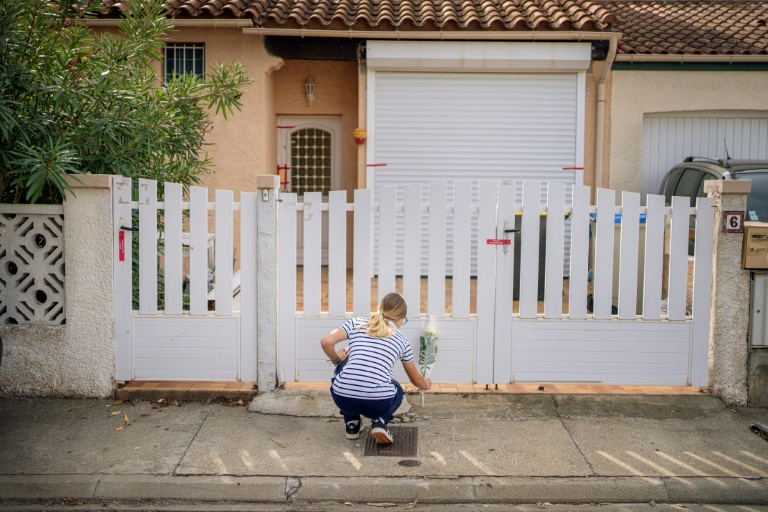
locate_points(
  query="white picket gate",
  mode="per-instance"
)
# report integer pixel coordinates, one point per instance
(187, 332)
(496, 345)
(185, 340)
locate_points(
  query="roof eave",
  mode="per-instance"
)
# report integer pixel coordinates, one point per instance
(682, 58)
(440, 35)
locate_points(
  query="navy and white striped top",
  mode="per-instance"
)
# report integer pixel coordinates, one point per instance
(368, 372)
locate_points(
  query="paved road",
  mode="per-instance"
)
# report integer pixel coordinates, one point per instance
(512, 449)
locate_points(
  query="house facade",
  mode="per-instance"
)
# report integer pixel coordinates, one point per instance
(487, 90)
(689, 79)
(443, 91)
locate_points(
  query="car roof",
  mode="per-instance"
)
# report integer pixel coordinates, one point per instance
(723, 167)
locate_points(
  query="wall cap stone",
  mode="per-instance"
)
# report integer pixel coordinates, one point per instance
(728, 186)
(89, 180)
(267, 181)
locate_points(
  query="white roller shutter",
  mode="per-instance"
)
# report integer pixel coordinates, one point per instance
(668, 138)
(427, 127)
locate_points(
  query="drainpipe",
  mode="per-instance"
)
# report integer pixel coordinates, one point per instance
(600, 128)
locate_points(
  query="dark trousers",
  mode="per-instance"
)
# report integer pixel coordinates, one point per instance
(353, 408)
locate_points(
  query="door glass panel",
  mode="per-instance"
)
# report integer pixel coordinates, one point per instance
(310, 169)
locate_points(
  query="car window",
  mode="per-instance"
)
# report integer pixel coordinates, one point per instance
(670, 182)
(707, 177)
(688, 184)
(757, 199)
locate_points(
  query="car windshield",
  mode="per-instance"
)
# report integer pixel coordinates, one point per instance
(757, 199)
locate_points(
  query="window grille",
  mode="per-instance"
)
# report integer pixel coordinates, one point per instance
(184, 59)
(311, 161)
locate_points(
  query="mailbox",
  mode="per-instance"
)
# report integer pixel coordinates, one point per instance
(754, 254)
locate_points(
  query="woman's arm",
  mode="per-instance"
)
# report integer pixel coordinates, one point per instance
(417, 379)
(328, 343)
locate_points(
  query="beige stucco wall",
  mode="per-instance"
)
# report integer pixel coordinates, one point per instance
(243, 145)
(635, 93)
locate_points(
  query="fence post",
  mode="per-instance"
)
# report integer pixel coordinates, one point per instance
(266, 303)
(729, 325)
(89, 285)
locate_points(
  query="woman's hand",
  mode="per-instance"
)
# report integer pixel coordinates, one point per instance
(427, 384)
(329, 341)
(343, 353)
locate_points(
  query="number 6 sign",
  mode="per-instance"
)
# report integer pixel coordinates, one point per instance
(733, 222)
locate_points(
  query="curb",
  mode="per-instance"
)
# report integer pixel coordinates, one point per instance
(467, 489)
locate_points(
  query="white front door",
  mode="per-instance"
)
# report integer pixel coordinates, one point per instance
(310, 148)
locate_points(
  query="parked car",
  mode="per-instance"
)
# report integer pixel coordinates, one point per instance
(687, 179)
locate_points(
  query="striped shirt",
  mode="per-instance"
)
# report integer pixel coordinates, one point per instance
(368, 372)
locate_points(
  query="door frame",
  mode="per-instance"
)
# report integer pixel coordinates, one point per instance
(288, 124)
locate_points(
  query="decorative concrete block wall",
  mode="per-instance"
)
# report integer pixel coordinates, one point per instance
(75, 359)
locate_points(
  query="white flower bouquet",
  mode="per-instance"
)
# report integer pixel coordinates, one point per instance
(427, 353)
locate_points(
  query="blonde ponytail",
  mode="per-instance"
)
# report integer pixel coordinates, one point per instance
(391, 308)
(378, 326)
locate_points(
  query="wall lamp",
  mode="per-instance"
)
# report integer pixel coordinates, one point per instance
(309, 85)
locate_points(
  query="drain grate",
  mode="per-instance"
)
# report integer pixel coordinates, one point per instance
(405, 443)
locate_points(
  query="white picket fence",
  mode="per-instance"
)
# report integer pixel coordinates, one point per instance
(483, 338)
(495, 345)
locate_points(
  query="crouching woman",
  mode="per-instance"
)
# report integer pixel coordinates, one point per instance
(362, 384)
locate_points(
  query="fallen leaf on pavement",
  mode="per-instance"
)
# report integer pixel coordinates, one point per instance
(331, 421)
(415, 501)
(384, 505)
(114, 413)
(348, 503)
(160, 400)
(118, 429)
(118, 402)
(127, 421)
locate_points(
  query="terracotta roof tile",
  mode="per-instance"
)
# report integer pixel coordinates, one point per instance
(400, 14)
(691, 27)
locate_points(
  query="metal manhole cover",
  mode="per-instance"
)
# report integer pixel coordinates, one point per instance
(405, 443)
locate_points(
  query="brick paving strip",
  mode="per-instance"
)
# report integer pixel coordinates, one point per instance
(206, 391)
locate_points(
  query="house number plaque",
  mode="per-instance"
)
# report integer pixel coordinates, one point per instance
(733, 222)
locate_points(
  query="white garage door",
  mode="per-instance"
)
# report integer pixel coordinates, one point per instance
(668, 138)
(430, 127)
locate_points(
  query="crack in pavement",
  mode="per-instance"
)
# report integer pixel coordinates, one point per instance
(570, 434)
(183, 455)
(292, 486)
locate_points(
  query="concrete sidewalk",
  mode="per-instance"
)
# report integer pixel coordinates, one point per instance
(512, 448)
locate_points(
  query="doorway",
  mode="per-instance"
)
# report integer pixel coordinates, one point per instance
(309, 151)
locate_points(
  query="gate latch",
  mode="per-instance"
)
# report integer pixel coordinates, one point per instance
(504, 242)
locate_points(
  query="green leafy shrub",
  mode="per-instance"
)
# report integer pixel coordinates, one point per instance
(74, 101)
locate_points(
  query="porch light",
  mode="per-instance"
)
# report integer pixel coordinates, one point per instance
(309, 85)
